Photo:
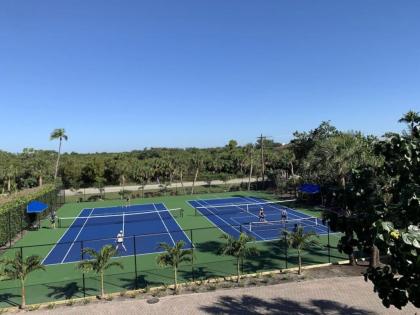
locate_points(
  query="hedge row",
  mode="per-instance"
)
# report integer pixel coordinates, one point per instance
(13, 216)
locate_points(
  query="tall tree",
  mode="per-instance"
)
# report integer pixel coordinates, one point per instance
(59, 134)
(397, 228)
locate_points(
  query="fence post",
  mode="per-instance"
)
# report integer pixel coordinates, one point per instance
(83, 273)
(21, 225)
(192, 256)
(285, 249)
(136, 284)
(10, 228)
(329, 246)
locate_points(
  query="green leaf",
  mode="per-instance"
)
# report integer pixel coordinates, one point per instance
(387, 226)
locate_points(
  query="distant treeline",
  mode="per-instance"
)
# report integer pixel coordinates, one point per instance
(324, 155)
(36, 167)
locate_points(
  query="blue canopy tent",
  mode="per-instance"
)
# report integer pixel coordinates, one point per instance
(310, 193)
(36, 207)
(310, 189)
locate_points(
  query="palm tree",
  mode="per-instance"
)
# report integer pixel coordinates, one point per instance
(19, 268)
(197, 164)
(180, 169)
(39, 169)
(238, 248)
(412, 118)
(99, 262)
(300, 240)
(11, 173)
(173, 257)
(123, 168)
(59, 134)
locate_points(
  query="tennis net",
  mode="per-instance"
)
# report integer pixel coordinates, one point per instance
(282, 225)
(119, 218)
(239, 207)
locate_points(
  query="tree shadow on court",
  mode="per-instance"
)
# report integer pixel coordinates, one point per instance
(141, 282)
(68, 291)
(213, 247)
(199, 273)
(267, 259)
(248, 305)
(6, 298)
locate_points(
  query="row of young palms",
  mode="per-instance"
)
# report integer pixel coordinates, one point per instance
(19, 267)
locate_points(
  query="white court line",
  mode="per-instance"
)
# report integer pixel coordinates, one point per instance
(166, 228)
(203, 215)
(302, 216)
(121, 206)
(242, 224)
(207, 208)
(58, 242)
(245, 225)
(74, 241)
(292, 212)
(115, 257)
(166, 208)
(227, 222)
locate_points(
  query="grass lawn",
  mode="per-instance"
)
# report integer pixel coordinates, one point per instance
(65, 281)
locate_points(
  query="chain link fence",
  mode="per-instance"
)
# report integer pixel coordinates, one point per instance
(64, 281)
(14, 220)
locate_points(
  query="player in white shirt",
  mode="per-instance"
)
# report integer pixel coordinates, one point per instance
(120, 241)
(284, 216)
(261, 215)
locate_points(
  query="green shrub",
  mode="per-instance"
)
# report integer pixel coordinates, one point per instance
(13, 216)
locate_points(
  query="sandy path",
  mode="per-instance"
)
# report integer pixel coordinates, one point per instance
(109, 189)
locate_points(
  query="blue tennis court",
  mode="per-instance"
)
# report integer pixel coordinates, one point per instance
(240, 214)
(144, 227)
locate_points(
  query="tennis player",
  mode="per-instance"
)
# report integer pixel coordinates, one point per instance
(128, 202)
(120, 241)
(261, 215)
(284, 215)
(53, 218)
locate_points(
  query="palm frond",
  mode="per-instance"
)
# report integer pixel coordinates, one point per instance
(114, 264)
(173, 256)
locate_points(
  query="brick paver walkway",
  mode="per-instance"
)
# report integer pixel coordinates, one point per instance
(331, 296)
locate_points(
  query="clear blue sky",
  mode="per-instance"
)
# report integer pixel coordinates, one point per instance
(123, 75)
